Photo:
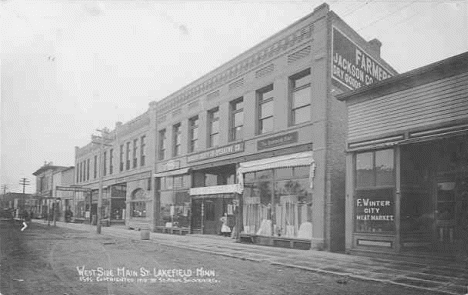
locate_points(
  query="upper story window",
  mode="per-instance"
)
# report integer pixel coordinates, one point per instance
(105, 164)
(236, 121)
(135, 153)
(177, 138)
(162, 144)
(142, 150)
(265, 104)
(213, 127)
(77, 173)
(300, 97)
(111, 158)
(193, 134)
(127, 156)
(95, 166)
(121, 157)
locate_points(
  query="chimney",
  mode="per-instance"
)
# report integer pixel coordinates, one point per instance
(118, 124)
(375, 45)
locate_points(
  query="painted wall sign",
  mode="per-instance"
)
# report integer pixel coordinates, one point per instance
(374, 210)
(352, 66)
(72, 189)
(170, 165)
(218, 152)
(277, 141)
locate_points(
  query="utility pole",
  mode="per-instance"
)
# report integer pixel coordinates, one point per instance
(103, 140)
(4, 188)
(24, 182)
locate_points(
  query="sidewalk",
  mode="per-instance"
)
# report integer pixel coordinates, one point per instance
(435, 276)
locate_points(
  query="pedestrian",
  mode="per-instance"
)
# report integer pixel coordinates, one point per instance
(26, 221)
(225, 230)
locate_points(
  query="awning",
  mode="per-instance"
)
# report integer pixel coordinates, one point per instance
(291, 160)
(214, 190)
(172, 172)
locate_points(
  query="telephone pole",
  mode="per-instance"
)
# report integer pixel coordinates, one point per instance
(4, 188)
(24, 182)
(103, 140)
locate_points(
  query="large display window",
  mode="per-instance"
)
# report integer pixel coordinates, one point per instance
(374, 199)
(277, 202)
(175, 201)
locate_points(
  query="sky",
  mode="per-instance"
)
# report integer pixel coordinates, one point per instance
(71, 67)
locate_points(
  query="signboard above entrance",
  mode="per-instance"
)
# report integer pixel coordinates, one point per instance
(351, 66)
(218, 152)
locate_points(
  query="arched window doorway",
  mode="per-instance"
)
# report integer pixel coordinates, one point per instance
(138, 203)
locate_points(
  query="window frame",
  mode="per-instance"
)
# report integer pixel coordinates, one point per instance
(176, 139)
(292, 90)
(121, 157)
(135, 152)
(234, 110)
(193, 127)
(111, 157)
(374, 171)
(105, 163)
(162, 144)
(95, 166)
(142, 150)
(127, 154)
(212, 119)
(261, 100)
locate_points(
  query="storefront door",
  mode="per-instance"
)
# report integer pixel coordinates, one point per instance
(452, 214)
(207, 213)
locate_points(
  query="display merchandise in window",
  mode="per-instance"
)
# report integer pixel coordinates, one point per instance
(277, 202)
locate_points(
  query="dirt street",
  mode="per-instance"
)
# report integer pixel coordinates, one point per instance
(53, 260)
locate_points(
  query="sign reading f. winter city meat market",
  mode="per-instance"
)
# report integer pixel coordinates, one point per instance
(352, 66)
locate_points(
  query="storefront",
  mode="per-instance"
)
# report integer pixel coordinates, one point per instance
(407, 163)
(277, 200)
(174, 205)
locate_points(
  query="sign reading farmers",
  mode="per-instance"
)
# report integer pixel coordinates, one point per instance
(352, 66)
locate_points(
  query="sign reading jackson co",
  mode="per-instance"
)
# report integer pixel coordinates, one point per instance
(277, 141)
(222, 151)
(352, 66)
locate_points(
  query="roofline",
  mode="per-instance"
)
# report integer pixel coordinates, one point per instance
(423, 75)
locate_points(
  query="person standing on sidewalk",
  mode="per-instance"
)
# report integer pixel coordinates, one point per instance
(26, 220)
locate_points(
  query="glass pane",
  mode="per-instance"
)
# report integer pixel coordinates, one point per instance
(384, 167)
(266, 109)
(302, 81)
(365, 170)
(264, 174)
(302, 171)
(238, 119)
(249, 177)
(374, 210)
(301, 115)
(215, 127)
(238, 133)
(194, 133)
(301, 98)
(169, 182)
(267, 94)
(167, 200)
(266, 125)
(214, 140)
(214, 115)
(284, 173)
(238, 105)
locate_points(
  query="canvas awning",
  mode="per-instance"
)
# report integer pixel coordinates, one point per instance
(291, 160)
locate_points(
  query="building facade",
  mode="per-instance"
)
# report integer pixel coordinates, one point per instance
(407, 162)
(45, 189)
(126, 164)
(259, 142)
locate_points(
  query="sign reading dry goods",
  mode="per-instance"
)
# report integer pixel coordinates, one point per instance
(352, 66)
(277, 141)
(226, 150)
(374, 210)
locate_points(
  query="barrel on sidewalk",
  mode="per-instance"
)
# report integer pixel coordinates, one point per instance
(145, 233)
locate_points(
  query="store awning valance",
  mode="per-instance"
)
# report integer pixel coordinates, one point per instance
(292, 160)
(214, 190)
(172, 172)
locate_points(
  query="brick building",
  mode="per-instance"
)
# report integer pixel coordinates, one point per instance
(126, 168)
(262, 138)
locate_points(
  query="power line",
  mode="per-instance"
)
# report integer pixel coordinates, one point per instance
(384, 17)
(24, 182)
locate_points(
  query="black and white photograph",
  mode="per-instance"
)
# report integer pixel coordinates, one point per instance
(233, 147)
